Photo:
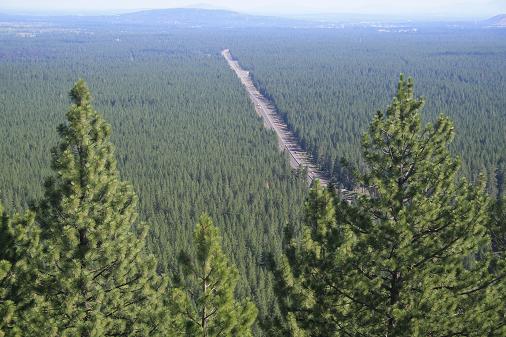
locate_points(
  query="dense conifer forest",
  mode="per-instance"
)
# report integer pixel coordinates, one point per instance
(328, 84)
(187, 138)
(168, 111)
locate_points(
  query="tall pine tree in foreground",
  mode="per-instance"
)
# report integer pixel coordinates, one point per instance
(20, 313)
(307, 268)
(498, 235)
(94, 271)
(209, 283)
(416, 263)
(412, 257)
(7, 276)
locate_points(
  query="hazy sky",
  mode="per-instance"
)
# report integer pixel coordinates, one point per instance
(441, 8)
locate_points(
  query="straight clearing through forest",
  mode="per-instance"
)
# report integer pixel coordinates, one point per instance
(286, 138)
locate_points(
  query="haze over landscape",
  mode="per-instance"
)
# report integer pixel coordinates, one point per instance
(471, 9)
(253, 169)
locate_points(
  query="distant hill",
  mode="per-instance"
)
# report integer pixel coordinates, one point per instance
(205, 6)
(198, 17)
(174, 17)
(206, 18)
(497, 21)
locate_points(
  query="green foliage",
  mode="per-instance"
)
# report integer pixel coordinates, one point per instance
(7, 306)
(209, 284)
(189, 140)
(186, 136)
(412, 265)
(19, 246)
(498, 237)
(327, 83)
(93, 271)
(412, 257)
(309, 266)
(498, 225)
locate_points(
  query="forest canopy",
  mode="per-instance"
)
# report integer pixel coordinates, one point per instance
(188, 140)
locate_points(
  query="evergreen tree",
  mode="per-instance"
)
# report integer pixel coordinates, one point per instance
(498, 225)
(18, 247)
(209, 284)
(7, 306)
(412, 257)
(498, 237)
(94, 271)
(308, 266)
(416, 262)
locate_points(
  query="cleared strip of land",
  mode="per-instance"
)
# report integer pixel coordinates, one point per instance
(286, 138)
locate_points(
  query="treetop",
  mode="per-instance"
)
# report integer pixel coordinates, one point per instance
(80, 93)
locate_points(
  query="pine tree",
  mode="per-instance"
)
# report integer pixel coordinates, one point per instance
(416, 262)
(498, 236)
(308, 267)
(498, 225)
(94, 271)
(7, 305)
(19, 245)
(209, 284)
(412, 256)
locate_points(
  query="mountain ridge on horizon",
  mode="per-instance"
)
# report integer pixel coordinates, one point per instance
(214, 17)
(497, 21)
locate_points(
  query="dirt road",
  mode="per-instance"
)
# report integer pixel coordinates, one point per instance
(272, 120)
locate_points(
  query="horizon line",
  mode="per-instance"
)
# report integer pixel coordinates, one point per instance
(272, 13)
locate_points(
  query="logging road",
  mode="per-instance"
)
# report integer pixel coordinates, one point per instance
(272, 120)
